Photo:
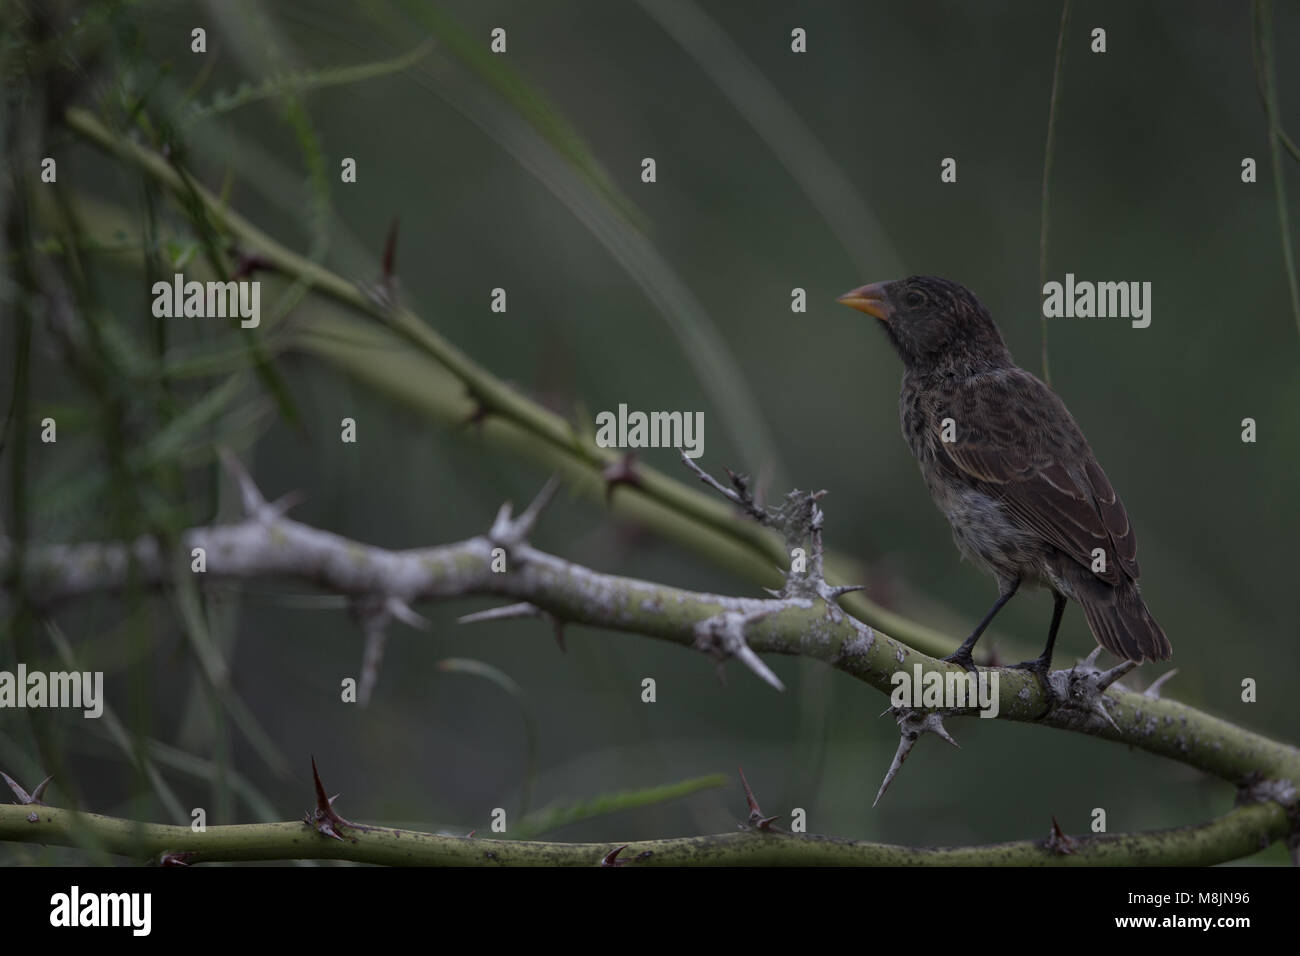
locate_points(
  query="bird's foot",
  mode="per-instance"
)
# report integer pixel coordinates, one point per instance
(1040, 667)
(963, 657)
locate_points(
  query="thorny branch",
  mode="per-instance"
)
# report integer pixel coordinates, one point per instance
(800, 619)
(1238, 833)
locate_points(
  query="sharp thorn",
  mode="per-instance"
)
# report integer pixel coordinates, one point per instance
(755, 664)
(749, 794)
(23, 796)
(611, 858)
(528, 519)
(1154, 690)
(905, 745)
(248, 493)
(404, 613)
(390, 252)
(39, 793)
(506, 612)
(1098, 706)
(285, 503)
(942, 731)
(501, 524)
(1115, 673)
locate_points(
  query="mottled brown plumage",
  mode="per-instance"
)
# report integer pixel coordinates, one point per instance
(1015, 478)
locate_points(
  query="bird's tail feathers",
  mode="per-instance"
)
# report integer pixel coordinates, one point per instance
(1124, 626)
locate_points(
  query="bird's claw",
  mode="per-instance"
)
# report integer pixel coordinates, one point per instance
(963, 658)
(1040, 667)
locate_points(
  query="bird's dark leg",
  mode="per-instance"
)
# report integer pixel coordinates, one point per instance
(1041, 664)
(962, 655)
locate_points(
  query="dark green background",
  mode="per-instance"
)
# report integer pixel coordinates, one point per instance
(1146, 187)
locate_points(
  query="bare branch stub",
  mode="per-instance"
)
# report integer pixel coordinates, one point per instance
(798, 519)
(739, 495)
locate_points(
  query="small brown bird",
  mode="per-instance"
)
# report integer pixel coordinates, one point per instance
(1010, 469)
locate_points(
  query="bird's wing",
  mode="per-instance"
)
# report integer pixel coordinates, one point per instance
(1015, 435)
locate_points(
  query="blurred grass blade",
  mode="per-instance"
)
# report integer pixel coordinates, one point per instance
(527, 101)
(80, 485)
(854, 223)
(131, 747)
(703, 346)
(1049, 153)
(280, 85)
(1262, 36)
(543, 821)
(257, 43)
(216, 673)
(202, 769)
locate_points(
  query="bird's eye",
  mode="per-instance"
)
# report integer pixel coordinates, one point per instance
(914, 299)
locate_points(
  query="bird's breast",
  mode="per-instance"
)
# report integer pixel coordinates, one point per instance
(980, 526)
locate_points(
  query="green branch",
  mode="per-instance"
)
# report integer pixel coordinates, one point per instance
(1240, 833)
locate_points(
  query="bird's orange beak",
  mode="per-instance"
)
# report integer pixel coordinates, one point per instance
(870, 299)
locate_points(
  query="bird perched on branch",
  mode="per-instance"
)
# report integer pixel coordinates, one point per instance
(1009, 468)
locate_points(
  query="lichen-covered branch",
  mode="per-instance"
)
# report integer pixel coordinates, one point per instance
(799, 621)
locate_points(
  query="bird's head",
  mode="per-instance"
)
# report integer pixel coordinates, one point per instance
(932, 322)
